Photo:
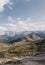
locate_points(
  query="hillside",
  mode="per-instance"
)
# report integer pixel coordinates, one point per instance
(22, 47)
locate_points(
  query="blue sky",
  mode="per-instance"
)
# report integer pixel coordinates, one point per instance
(25, 13)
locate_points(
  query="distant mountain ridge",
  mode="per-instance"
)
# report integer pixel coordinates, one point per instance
(36, 35)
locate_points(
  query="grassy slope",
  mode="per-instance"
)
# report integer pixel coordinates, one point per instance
(22, 48)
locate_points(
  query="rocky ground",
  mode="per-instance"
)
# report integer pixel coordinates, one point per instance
(34, 60)
(27, 62)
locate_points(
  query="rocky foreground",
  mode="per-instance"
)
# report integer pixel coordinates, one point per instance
(26, 62)
(32, 60)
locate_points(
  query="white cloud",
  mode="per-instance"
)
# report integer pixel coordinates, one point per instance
(26, 24)
(2, 30)
(3, 3)
(18, 19)
(11, 19)
(18, 25)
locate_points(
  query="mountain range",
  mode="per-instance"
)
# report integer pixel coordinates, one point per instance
(32, 35)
